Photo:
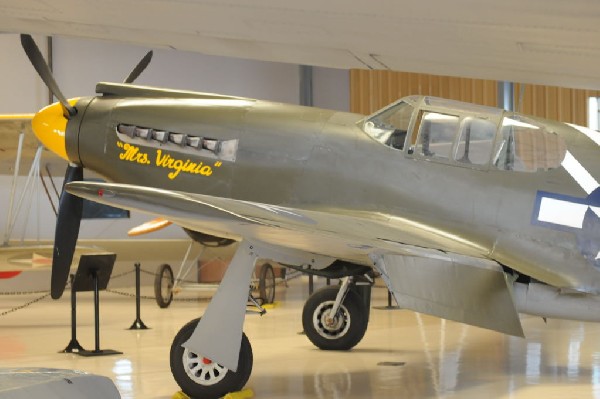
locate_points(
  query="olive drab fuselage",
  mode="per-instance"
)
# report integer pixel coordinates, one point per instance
(315, 159)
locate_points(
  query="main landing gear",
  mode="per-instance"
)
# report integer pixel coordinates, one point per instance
(200, 377)
(336, 318)
(212, 356)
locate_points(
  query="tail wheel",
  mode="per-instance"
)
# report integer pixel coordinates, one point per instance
(266, 283)
(163, 286)
(341, 331)
(200, 377)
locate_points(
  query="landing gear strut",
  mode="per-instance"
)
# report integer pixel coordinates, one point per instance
(336, 318)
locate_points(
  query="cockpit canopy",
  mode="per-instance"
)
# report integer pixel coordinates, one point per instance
(466, 134)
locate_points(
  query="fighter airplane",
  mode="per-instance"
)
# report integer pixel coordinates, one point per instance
(467, 212)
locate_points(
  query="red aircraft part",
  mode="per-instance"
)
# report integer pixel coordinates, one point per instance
(7, 275)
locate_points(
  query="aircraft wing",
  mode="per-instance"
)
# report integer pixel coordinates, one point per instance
(463, 288)
(37, 256)
(11, 126)
(551, 42)
(348, 234)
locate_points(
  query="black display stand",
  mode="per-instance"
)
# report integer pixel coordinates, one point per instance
(93, 274)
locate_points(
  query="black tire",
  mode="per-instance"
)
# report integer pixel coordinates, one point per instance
(349, 326)
(266, 283)
(204, 380)
(163, 286)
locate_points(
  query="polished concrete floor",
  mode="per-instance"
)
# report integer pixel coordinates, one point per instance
(403, 354)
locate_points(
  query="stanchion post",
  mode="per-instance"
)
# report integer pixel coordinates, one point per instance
(73, 345)
(389, 303)
(138, 324)
(96, 311)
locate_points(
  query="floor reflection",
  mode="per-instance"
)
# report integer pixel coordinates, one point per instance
(123, 371)
(332, 380)
(403, 354)
(458, 361)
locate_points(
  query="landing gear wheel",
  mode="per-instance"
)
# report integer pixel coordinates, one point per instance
(163, 286)
(266, 283)
(334, 332)
(199, 377)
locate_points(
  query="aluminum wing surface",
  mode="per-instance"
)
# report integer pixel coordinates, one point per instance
(461, 288)
(350, 235)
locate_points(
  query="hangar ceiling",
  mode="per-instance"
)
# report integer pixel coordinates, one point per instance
(537, 41)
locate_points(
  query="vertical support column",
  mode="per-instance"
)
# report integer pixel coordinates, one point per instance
(506, 96)
(96, 310)
(306, 85)
(593, 113)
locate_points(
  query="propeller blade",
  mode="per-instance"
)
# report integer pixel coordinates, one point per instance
(42, 68)
(65, 236)
(139, 68)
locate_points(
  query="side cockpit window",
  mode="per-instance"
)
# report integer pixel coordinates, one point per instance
(457, 139)
(475, 141)
(527, 146)
(390, 126)
(436, 135)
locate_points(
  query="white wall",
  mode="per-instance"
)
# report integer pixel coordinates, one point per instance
(331, 88)
(21, 91)
(80, 64)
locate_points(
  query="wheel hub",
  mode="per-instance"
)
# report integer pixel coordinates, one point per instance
(329, 322)
(331, 326)
(166, 287)
(202, 370)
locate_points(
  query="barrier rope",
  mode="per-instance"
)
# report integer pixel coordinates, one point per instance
(181, 280)
(116, 276)
(116, 292)
(46, 295)
(175, 299)
(22, 292)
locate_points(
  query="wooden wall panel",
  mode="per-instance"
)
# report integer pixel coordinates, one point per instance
(372, 90)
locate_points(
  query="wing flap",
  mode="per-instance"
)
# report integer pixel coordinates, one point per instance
(475, 293)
